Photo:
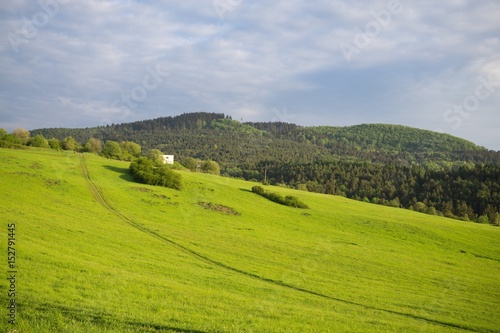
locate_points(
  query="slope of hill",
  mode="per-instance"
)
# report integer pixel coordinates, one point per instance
(97, 252)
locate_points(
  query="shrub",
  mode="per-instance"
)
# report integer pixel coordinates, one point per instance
(258, 190)
(38, 141)
(129, 150)
(112, 150)
(191, 164)
(211, 167)
(208, 166)
(54, 144)
(294, 202)
(483, 219)
(69, 143)
(12, 139)
(156, 155)
(11, 145)
(22, 134)
(289, 200)
(145, 171)
(94, 145)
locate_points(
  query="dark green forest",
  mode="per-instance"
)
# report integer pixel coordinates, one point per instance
(384, 164)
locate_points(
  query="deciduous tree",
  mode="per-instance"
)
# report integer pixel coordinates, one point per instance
(22, 134)
(68, 143)
(130, 150)
(38, 141)
(94, 145)
(112, 150)
(211, 167)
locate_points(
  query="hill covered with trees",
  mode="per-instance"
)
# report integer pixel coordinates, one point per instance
(387, 164)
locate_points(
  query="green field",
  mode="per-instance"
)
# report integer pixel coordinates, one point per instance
(97, 252)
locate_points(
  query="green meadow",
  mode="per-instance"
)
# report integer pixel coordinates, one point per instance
(98, 252)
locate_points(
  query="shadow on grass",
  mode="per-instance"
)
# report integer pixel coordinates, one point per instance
(124, 173)
(103, 319)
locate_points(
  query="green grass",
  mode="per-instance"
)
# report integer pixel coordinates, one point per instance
(140, 258)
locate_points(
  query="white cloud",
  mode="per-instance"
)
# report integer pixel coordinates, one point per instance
(257, 57)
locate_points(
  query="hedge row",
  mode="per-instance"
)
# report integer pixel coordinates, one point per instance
(289, 200)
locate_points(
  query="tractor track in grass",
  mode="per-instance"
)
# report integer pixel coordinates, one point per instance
(98, 195)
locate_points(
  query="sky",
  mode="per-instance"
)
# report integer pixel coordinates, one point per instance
(428, 64)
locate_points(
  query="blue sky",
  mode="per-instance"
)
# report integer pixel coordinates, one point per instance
(427, 64)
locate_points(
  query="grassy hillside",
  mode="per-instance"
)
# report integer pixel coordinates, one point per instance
(97, 252)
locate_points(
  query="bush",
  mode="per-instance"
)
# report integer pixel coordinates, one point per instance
(156, 155)
(94, 145)
(22, 134)
(145, 171)
(38, 141)
(129, 150)
(258, 190)
(11, 145)
(191, 164)
(211, 167)
(54, 144)
(69, 143)
(12, 139)
(294, 202)
(289, 200)
(483, 219)
(112, 150)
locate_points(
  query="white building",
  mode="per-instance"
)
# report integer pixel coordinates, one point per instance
(168, 159)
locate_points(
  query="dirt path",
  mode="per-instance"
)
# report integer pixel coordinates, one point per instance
(98, 195)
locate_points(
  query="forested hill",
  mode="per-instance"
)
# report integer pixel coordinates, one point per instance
(386, 164)
(218, 137)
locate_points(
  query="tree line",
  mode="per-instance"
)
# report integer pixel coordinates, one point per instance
(468, 192)
(146, 168)
(20, 138)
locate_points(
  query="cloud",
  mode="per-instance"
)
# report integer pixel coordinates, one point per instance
(248, 59)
